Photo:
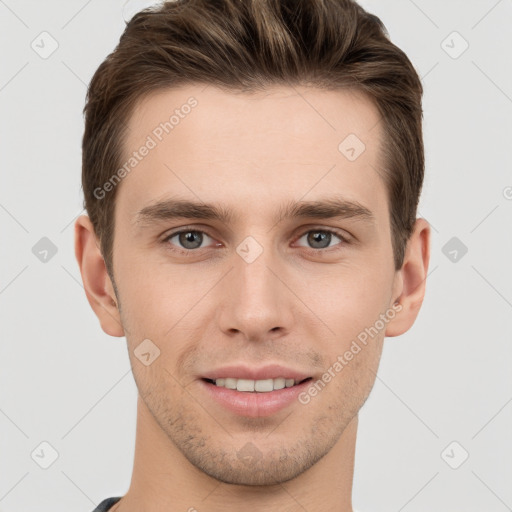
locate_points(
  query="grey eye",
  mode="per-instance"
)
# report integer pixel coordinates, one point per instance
(190, 239)
(319, 238)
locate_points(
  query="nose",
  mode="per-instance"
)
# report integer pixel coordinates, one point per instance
(256, 303)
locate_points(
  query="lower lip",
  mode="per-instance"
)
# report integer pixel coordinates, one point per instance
(254, 404)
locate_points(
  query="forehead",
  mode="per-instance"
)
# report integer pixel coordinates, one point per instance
(252, 148)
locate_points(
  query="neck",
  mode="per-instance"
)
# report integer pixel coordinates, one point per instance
(164, 480)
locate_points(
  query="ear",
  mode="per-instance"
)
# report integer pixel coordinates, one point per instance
(97, 284)
(411, 279)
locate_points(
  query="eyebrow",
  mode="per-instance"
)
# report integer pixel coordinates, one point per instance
(327, 208)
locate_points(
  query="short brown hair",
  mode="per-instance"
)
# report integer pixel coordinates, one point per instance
(249, 45)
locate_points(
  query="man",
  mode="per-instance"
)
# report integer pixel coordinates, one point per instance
(251, 172)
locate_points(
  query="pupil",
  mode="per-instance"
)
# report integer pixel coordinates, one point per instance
(317, 237)
(191, 237)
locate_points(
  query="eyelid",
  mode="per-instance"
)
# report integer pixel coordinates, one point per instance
(345, 238)
(186, 229)
(331, 229)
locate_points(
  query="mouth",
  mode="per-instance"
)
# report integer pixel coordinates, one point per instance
(254, 398)
(254, 391)
(256, 386)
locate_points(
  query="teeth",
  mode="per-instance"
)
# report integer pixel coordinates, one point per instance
(280, 383)
(261, 386)
(245, 385)
(229, 383)
(264, 386)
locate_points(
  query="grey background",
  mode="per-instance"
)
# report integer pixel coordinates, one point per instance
(66, 383)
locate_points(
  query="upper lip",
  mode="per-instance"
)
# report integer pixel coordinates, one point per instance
(272, 371)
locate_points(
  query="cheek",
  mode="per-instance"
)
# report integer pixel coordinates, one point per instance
(360, 333)
(162, 306)
(155, 295)
(350, 298)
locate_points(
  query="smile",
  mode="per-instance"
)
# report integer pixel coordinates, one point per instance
(255, 386)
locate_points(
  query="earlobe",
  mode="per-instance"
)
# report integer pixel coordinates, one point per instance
(412, 279)
(97, 284)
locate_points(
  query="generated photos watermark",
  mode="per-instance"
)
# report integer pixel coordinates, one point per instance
(152, 140)
(355, 348)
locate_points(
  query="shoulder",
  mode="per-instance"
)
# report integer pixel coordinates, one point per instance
(106, 504)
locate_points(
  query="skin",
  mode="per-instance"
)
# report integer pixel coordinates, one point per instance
(297, 304)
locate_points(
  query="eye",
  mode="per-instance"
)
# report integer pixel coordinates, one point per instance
(188, 239)
(322, 238)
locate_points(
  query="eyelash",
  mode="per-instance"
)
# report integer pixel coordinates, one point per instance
(189, 252)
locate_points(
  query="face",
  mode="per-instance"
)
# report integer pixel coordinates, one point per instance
(245, 286)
